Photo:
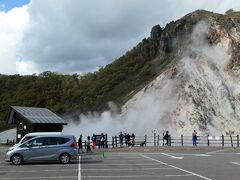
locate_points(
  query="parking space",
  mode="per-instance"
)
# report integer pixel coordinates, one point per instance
(129, 166)
(172, 164)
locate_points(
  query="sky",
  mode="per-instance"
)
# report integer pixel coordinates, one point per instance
(79, 36)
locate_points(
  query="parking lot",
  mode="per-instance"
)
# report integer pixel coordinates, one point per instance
(168, 163)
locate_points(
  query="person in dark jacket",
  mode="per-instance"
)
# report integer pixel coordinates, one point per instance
(128, 139)
(80, 144)
(133, 139)
(125, 137)
(102, 140)
(167, 137)
(121, 139)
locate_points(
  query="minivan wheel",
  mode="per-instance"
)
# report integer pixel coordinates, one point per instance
(17, 159)
(64, 158)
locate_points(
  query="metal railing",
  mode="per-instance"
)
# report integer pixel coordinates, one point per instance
(157, 140)
(7, 142)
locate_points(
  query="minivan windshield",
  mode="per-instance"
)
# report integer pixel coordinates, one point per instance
(26, 139)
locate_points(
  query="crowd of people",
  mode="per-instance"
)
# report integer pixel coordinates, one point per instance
(126, 138)
(91, 142)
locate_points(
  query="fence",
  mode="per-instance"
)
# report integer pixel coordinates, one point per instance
(7, 142)
(157, 140)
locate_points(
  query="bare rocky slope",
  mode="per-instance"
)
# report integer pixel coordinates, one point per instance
(199, 88)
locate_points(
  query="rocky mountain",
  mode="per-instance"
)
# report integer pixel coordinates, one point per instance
(200, 87)
(184, 76)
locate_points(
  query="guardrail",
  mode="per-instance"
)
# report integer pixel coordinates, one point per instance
(7, 142)
(157, 140)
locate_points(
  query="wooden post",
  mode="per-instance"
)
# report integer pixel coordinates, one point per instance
(181, 139)
(116, 141)
(145, 140)
(106, 141)
(231, 140)
(154, 138)
(113, 142)
(163, 139)
(238, 140)
(170, 140)
(223, 140)
(208, 141)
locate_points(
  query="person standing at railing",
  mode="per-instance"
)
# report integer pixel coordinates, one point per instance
(80, 144)
(194, 138)
(102, 141)
(133, 139)
(88, 144)
(121, 139)
(125, 138)
(94, 141)
(167, 137)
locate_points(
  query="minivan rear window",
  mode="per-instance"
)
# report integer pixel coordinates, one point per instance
(63, 140)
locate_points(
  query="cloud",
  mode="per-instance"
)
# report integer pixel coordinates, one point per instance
(12, 24)
(79, 36)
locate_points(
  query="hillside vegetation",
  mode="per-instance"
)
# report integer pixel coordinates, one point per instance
(66, 94)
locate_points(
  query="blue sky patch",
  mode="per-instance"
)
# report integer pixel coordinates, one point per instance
(7, 5)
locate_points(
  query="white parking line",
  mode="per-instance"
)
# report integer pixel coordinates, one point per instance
(55, 177)
(125, 160)
(237, 163)
(122, 157)
(85, 164)
(79, 168)
(174, 157)
(32, 171)
(139, 164)
(203, 177)
(198, 155)
(129, 169)
(139, 176)
(220, 150)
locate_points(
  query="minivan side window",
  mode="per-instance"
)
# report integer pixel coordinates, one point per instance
(52, 140)
(56, 140)
(38, 142)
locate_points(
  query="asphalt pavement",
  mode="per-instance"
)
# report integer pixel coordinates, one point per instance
(131, 164)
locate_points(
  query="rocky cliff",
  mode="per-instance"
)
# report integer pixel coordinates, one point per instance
(199, 88)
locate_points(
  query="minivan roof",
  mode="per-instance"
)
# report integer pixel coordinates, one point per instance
(43, 133)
